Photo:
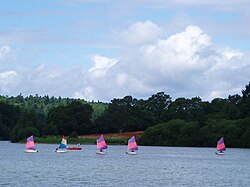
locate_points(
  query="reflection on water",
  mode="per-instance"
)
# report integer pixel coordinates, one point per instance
(153, 166)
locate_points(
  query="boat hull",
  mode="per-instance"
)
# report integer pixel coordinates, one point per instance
(61, 150)
(101, 153)
(31, 151)
(131, 153)
(219, 153)
(74, 148)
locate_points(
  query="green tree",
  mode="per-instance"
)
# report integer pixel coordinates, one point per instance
(74, 117)
(125, 115)
(158, 104)
(173, 133)
(9, 116)
(27, 125)
(222, 109)
(187, 109)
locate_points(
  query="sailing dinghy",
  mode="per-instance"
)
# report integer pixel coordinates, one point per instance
(132, 146)
(101, 144)
(74, 148)
(63, 146)
(30, 145)
(78, 148)
(220, 147)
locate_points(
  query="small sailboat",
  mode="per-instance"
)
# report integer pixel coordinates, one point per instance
(132, 146)
(220, 147)
(63, 146)
(78, 148)
(30, 145)
(101, 144)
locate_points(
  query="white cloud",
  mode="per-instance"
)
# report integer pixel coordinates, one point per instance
(86, 93)
(7, 76)
(179, 51)
(121, 79)
(4, 51)
(43, 79)
(231, 53)
(184, 64)
(6, 79)
(102, 65)
(141, 33)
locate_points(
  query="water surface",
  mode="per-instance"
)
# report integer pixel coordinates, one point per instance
(153, 166)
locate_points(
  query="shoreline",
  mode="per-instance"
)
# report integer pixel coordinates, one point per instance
(110, 138)
(72, 141)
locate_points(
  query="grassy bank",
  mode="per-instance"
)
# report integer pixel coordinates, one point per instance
(111, 138)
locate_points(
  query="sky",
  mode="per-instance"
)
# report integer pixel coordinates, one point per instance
(105, 49)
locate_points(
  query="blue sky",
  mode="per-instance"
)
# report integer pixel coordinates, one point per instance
(103, 49)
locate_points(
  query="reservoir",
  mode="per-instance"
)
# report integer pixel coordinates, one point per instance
(152, 166)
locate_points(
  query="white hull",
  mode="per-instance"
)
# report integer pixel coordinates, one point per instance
(131, 153)
(61, 150)
(219, 153)
(101, 153)
(31, 151)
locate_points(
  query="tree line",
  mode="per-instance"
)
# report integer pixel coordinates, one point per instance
(182, 122)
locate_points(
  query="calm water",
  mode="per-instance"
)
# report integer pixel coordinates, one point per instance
(153, 166)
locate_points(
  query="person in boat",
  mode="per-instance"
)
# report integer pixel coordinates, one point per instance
(101, 150)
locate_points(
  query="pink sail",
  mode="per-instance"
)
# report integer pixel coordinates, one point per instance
(132, 145)
(30, 144)
(101, 144)
(221, 145)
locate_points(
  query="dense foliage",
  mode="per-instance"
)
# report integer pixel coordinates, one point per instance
(74, 118)
(9, 116)
(41, 116)
(182, 122)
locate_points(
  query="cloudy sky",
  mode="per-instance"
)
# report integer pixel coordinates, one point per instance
(105, 49)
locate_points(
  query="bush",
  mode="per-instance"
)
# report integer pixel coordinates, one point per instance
(18, 135)
(73, 135)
